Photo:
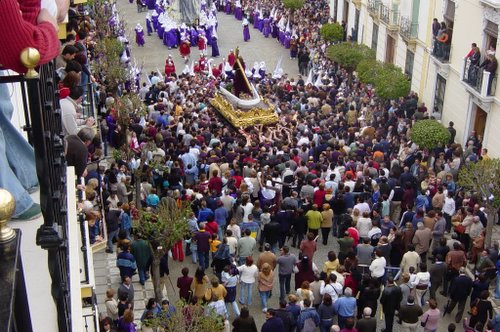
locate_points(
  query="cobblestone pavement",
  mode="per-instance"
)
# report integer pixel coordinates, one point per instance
(258, 49)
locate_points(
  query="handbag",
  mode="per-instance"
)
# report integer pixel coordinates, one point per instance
(460, 229)
(424, 323)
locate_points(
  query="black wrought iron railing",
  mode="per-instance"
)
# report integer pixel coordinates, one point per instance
(479, 79)
(43, 125)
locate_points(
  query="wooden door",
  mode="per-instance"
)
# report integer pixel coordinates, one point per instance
(480, 121)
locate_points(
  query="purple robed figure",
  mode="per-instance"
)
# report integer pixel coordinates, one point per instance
(246, 30)
(266, 30)
(193, 36)
(288, 38)
(154, 21)
(160, 30)
(282, 36)
(256, 20)
(150, 4)
(238, 12)
(215, 46)
(261, 23)
(274, 29)
(139, 35)
(209, 33)
(228, 7)
(171, 38)
(149, 27)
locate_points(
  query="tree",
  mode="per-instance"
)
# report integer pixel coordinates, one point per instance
(349, 55)
(162, 229)
(293, 4)
(108, 66)
(388, 80)
(428, 134)
(188, 318)
(483, 179)
(391, 82)
(367, 71)
(332, 32)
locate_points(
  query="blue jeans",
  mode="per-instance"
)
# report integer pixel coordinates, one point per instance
(234, 305)
(194, 252)
(497, 288)
(246, 293)
(325, 325)
(203, 259)
(284, 285)
(142, 275)
(264, 296)
(17, 159)
(242, 260)
(111, 236)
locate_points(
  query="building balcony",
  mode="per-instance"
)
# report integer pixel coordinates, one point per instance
(374, 8)
(478, 81)
(408, 30)
(492, 3)
(390, 17)
(357, 3)
(441, 52)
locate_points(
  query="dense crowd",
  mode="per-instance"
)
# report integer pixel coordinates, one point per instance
(339, 166)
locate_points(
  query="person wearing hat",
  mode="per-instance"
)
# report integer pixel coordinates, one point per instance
(460, 290)
(409, 315)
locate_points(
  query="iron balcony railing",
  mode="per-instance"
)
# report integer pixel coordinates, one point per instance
(389, 16)
(374, 7)
(40, 97)
(479, 79)
(407, 28)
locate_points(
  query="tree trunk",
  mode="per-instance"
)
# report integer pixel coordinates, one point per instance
(156, 277)
(137, 186)
(492, 219)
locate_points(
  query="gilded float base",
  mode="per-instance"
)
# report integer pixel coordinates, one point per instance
(263, 113)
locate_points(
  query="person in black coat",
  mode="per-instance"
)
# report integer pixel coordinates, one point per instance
(390, 300)
(460, 290)
(437, 272)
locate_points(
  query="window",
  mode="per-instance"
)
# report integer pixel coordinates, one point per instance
(356, 26)
(491, 34)
(390, 49)
(439, 93)
(449, 13)
(410, 58)
(374, 37)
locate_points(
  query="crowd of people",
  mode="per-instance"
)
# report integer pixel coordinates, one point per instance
(339, 162)
(339, 168)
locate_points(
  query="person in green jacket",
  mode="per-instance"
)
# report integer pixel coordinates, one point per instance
(143, 256)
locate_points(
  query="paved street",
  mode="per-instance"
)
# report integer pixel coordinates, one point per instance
(230, 33)
(153, 55)
(107, 275)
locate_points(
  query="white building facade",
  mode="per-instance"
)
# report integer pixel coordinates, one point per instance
(400, 32)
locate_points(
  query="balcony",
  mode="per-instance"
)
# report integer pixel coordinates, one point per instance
(374, 8)
(390, 17)
(357, 3)
(408, 30)
(478, 81)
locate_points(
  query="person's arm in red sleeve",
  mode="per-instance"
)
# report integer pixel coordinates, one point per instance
(20, 30)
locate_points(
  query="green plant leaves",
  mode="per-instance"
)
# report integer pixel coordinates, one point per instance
(428, 134)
